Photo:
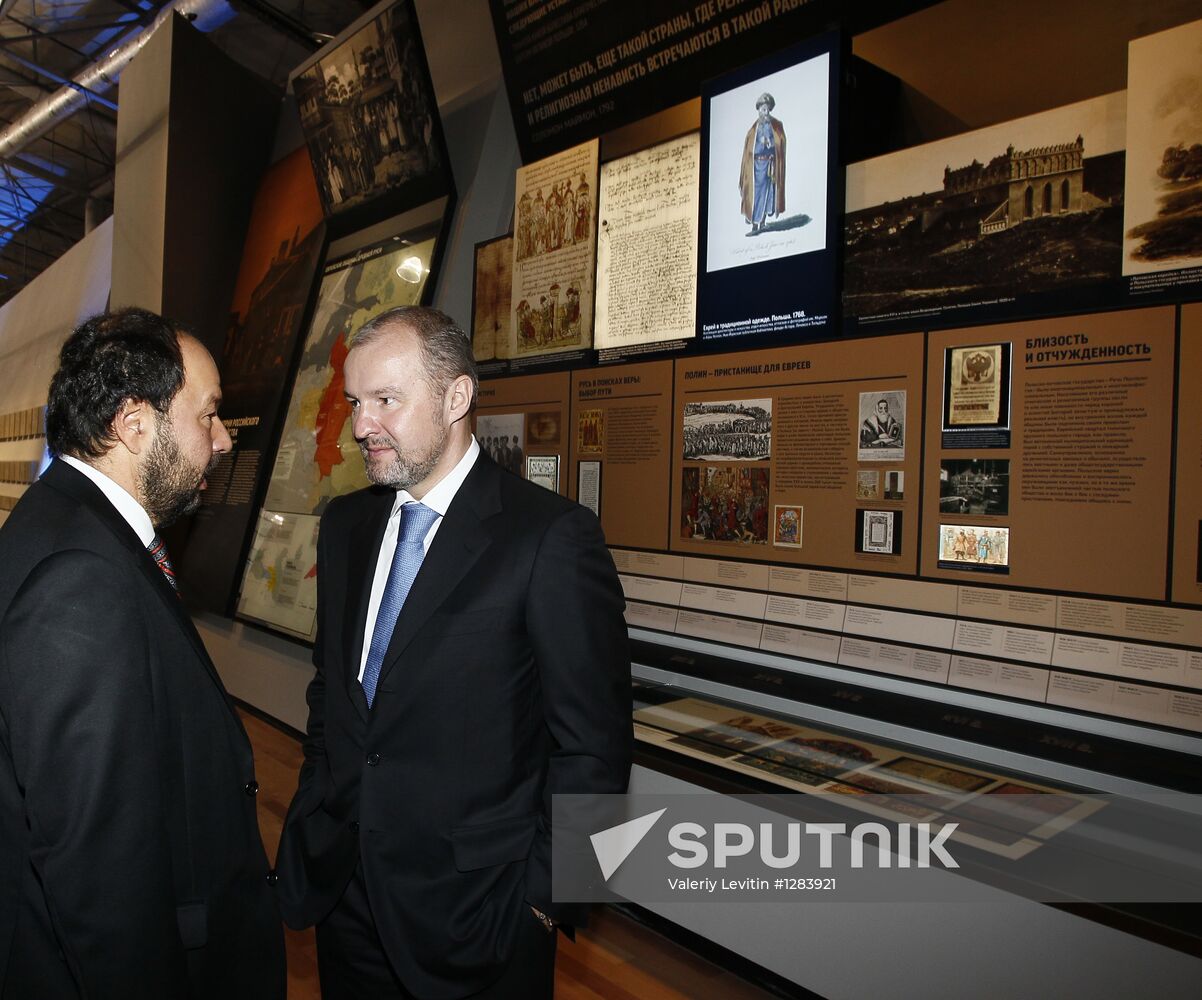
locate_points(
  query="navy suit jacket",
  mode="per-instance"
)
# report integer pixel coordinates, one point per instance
(507, 680)
(130, 859)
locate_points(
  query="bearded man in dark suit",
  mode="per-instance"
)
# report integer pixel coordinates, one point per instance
(130, 860)
(472, 661)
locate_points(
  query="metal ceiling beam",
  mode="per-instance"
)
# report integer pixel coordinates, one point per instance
(77, 28)
(285, 24)
(49, 74)
(98, 77)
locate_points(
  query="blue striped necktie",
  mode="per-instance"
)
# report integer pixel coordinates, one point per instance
(158, 551)
(416, 521)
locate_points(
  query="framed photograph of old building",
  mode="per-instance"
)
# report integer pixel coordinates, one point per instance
(370, 120)
(991, 223)
(1164, 160)
(769, 197)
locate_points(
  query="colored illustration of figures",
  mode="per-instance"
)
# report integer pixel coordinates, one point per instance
(591, 436)
(554, 321)
(762, 174)
(971, 545)
(725, 504)
(553, 219)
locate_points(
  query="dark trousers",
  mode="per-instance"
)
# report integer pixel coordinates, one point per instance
(352, 964)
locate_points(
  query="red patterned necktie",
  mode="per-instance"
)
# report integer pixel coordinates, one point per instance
(158, 550)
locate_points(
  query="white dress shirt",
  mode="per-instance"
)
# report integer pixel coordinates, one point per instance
(438, 499)
(129, 508)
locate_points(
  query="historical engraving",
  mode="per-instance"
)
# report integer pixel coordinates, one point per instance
(739, 429)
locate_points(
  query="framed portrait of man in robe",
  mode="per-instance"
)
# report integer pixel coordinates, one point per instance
(769, 195)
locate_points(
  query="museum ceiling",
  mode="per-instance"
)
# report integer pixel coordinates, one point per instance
(963, 65)
(58, 110)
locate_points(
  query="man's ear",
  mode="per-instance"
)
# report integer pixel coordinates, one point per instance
(134, 425)
(459, 399)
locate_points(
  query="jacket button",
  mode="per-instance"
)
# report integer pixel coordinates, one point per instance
(373, 759)
(354, 826)
(273, 877)
(251, 788)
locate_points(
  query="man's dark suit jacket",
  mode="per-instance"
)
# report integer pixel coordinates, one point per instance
(507, 679)
(130, 859)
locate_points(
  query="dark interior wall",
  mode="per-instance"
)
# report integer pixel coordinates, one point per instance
(206, 123)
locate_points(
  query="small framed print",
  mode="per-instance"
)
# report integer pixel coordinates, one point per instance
(590, 432)
(879, 531)
(544, 470)
(868, 485)
(982, 548)
(786, 526)
(588, 485)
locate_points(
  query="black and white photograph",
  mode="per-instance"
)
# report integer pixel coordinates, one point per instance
(738, 430)
(368, 113)
(501, 436)
(974, 486)
(881, 433)
(981, 218)
(895, 485)
(1162, 228)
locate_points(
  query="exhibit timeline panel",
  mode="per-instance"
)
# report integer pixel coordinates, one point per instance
(621, 435)
(1040, 568)
(805, 455)
(771, 187)
(317, 457)
(1079, 501)
(275, 279)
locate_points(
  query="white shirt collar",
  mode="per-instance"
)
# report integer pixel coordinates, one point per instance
(439, 497)
(129, 508)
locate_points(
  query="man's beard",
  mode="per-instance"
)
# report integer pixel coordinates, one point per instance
(404, 471)
(170, 486)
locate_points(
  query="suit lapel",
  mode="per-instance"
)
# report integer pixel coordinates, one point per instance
(459, 543)
(65, 479)
(363, 547)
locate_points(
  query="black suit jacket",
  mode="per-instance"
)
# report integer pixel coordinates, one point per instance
(130, 859)
(507, 680)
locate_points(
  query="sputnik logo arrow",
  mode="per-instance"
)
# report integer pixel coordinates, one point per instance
(613, 846)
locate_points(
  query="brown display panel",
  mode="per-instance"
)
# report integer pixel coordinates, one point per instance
(1187, 521)
(1089, 456)
(816, 453)
(538, 405)
(622, 419)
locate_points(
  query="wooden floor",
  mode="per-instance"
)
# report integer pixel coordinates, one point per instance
(613, 958)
